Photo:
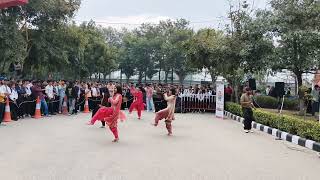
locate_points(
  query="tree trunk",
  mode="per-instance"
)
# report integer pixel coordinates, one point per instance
(145, 78)
(160, 75)
(120, 76)
(105, 77)
(140, 77)
(213, 77)
(181, 78)
(166, 77)
(172, 76)
(301, 94)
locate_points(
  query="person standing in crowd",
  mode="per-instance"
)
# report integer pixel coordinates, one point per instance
(88, 94)
(137, 104)
(104, 102)
(49, 89)
(95, 95)
(13, 101)
(167, 113)
(78, 92)
(315, 99)
(247, 105)
(56, 97)
(150, 105)
(62, 93)
(72, 95)
(228, 93)
(3, 95)
(30, 104)
(38, 92)
(21, 101)
(112, 114)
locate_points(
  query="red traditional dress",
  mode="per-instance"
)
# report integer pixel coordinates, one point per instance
(137, 103)
(167, 113)
(111, 115)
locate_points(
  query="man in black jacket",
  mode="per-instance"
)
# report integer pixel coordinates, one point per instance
(72, 95)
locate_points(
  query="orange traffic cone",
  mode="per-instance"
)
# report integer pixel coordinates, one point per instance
(86, 105)
(37, 114)
(7, 113)
(65, 106)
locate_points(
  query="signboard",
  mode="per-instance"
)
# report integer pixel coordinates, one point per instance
(9, 3)
(220, 99)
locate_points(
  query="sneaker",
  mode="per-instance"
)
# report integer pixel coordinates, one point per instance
(102, 127)
(251, 131)
(246, 131)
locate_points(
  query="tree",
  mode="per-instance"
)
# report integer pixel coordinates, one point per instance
(206, 50)
(295, 24)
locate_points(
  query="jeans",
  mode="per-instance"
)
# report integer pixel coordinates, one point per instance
(150, 105)
(61, 99)
(72, 104)
(44, 105)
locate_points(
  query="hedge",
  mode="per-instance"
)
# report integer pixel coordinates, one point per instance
(306, 129)
(272, 103)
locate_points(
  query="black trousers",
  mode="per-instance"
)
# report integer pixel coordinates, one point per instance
(2, 106)
(30, 106)
(248, 118)
(51, 106)
(14, 111)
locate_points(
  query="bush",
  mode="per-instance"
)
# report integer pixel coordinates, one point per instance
(306, 129)
(272, 103)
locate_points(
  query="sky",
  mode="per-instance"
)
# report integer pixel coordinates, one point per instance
(131, 13)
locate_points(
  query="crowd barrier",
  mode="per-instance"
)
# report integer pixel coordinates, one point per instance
(197, 103)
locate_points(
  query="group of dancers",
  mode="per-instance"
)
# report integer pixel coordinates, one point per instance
(110, 116)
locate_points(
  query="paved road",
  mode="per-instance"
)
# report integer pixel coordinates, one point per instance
(202, 148)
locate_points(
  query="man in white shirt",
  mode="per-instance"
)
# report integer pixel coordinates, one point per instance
(50, 95)
(3, 94)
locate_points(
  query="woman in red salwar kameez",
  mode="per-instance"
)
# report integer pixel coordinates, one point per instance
(137, 104)
(167, 113)
(112, 114)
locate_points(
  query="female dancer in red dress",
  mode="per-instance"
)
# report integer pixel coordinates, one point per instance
(112, 114)
(137, 103)
(167, 113)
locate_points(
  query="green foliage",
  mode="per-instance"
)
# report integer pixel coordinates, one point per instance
(295, 126)
(272, 103)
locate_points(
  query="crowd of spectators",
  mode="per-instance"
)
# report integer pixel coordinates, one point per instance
(23, 94)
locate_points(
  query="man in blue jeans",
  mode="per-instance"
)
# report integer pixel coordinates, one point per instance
(150, 105)
(38, 92)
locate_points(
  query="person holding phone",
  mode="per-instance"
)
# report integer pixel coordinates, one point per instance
(247, 105)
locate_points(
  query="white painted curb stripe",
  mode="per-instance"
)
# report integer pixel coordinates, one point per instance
(295, 139)
(274, 132)
(309, 144)
(284, 135)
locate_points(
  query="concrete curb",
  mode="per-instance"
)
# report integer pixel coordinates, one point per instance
(315, 146)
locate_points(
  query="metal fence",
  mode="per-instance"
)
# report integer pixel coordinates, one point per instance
(197, 103)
